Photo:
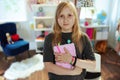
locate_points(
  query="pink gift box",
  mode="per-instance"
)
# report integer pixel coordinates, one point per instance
(60, 49)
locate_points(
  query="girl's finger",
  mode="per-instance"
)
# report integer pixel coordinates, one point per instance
(65, 49)
(57, 59)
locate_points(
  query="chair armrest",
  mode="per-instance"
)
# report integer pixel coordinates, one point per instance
(95, 73)
(3, 43)
(98, 64)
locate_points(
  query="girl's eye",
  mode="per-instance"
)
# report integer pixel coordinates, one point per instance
(61, 16)
(69, 15)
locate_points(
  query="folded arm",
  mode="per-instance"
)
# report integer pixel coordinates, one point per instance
(86, 64)
(50, 67)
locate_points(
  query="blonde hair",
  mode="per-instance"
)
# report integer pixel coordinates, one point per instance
(76, 31)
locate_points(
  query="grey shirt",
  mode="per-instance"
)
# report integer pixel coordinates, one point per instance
(48, 56)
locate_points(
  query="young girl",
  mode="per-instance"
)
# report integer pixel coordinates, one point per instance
(117, 35)
(66, 27)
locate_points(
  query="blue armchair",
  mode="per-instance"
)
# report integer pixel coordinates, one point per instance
(17, 47)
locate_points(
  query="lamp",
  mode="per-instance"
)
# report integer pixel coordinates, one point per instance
(85, 6)
(84, 3)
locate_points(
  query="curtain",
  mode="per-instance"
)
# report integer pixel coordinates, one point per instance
(13, 10)
(114, 16)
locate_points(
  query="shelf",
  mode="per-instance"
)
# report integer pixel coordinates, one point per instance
(43, 29)
(38, 40)
(43, 22)
(94, 26)
(44, 5)
(43, 17)
(98, 39)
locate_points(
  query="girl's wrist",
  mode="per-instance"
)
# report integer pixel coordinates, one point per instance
(73, 60)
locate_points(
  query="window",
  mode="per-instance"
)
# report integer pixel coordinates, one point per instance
(12, 10)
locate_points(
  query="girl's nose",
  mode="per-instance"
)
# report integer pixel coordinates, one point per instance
(66, 19)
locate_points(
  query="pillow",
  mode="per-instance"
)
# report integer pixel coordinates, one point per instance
(15, 37)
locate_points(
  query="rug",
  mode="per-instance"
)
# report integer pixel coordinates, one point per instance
(24, 68)
(2, 78)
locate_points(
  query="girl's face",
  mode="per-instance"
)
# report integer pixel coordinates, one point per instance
(66, 20)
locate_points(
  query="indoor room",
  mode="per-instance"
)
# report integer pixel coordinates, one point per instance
(59, 40)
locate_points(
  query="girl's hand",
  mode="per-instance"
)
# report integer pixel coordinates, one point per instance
(63, 57)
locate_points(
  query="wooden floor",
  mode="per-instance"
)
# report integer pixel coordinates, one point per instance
(110, 65)
(109, 68)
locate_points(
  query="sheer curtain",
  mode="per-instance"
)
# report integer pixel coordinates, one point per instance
(13, 10)
(114, 16)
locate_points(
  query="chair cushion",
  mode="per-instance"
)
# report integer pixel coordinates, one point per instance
(15, 37)
(16, 48)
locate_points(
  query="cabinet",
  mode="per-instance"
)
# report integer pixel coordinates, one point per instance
(43, 22)
(96, 33)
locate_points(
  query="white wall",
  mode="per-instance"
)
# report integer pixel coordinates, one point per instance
(24, 28)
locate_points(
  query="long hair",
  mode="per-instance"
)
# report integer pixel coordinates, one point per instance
(76, 31)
